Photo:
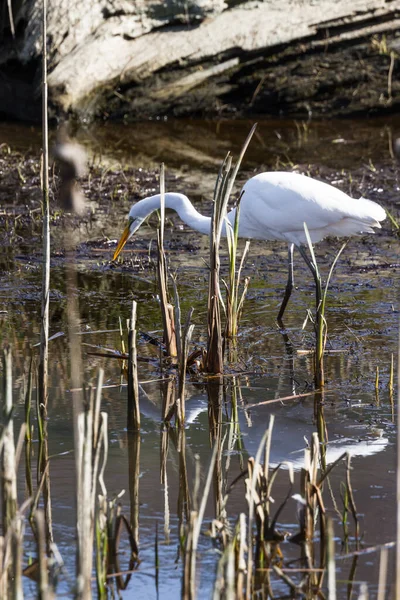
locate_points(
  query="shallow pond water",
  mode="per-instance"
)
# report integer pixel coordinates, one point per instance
(362, 336)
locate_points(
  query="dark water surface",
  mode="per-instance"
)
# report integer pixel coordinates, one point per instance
(362, 329)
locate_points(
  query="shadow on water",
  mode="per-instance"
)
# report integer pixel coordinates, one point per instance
(159, 468)
(187, 144)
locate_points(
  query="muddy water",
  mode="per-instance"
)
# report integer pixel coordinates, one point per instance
(362, 319)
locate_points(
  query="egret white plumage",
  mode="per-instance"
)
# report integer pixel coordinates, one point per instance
(275, 206)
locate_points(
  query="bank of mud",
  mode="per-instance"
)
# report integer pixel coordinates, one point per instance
(111, 190)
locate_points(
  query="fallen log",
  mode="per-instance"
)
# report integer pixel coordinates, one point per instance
(141, 59)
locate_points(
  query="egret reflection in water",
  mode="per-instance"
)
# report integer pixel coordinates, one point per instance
(294, 426)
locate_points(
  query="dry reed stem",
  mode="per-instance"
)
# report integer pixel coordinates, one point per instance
(223, 188)
(87, 461)
(133, 415)
(164, 439)
(28, 401)
(391, 376)
(45, 590)
(44, 471)
(3, 568)
(134, 441)
(184, 500)
(84, 509)
(177, 318)
(9, 476)
(230, 578)
(215, 359)
(97, 407)
(351, 499)
(397, 574)
(15, 534)
(193, 535)
(44, 329)
(167, 311)
(383, 568)
(234, 304)
(168, 401)
(187, 336)
(241, 561)
(282, 575)
(330, 552)
(253, 502)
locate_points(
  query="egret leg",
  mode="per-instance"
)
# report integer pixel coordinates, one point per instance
(289, 285)
(318, 290)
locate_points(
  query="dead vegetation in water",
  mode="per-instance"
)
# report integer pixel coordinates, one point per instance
(254, 553)
(251, 559)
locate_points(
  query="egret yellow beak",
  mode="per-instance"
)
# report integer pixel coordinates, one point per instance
(124, 238)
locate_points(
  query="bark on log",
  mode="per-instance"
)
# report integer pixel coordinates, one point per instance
(141, 58)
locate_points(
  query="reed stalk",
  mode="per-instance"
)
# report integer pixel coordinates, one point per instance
(9, 487)
(320, 322)
(330, 551)
(164, 445)
(133, 421)
(234, 304)
(193, 535)
(184, 500)
(178, 320)
(44, 325)
(134, 442)
(253, 501)
(89, 444)
(3, 568)
(391, 376)
(215, 355)
(102, 524)
(44, 329)
(222, 191)
(17, 533)
(167, 311)
(11, 577)
(45, 590)
(397, 568)
(187, 336)
(351, 499)
(383, 570)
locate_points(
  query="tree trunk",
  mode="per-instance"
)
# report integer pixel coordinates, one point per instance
(144, 58)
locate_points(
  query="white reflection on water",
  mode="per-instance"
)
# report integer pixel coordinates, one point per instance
(293, 429)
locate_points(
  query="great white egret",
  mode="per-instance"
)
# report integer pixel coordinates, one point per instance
(275, 206)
